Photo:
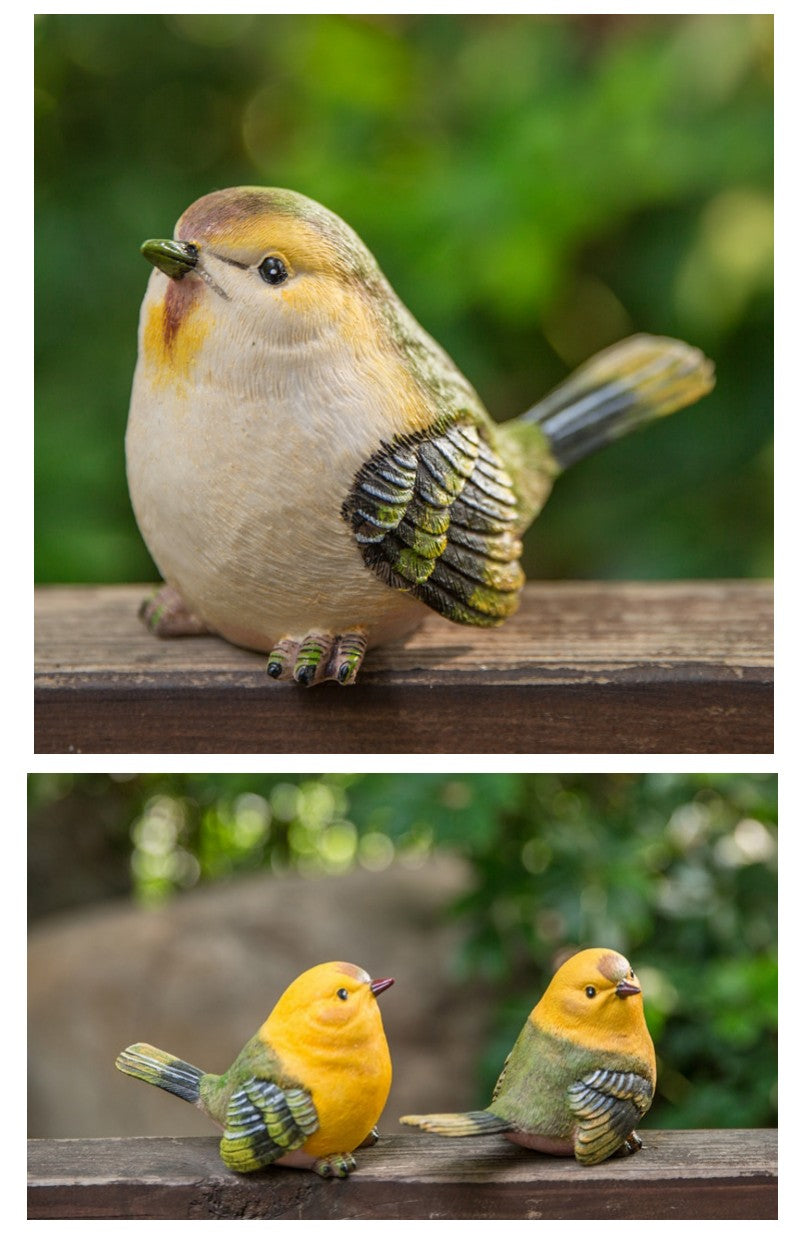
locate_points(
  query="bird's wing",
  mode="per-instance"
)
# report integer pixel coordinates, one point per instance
(435, 513)
(264, 1121)
(608, 1106)
(498, 1085)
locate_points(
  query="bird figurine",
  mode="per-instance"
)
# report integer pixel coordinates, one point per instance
(310, 470)
(306, 1090)
(581, 1074)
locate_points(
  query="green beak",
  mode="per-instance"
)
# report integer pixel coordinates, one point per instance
(174, 257)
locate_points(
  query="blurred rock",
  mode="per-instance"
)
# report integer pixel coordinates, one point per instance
(198, 976)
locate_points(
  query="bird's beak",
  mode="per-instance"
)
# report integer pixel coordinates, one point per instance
(380, 984)
(624, 989)
(174, 257)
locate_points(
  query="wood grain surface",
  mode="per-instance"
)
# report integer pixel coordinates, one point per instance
(708, 1175)
(583, 667)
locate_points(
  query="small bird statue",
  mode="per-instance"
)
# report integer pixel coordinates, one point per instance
(581, 1074)
(306, 1090)
(310, 471)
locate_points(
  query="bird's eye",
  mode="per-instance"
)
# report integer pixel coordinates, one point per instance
(342, 993)
(273, 271)
(590, 992)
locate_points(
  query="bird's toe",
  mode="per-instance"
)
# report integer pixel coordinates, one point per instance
(336, 1166)
(282, 658)
(165, 614)
(319, 657)
(313, 654)
(347, 656)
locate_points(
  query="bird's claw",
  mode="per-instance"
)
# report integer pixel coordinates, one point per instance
(319, 657)
(166, 615)
(632, 1143)
(370, 1139)
(338, 1165)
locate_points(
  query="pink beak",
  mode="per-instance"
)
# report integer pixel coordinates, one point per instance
(380, 984)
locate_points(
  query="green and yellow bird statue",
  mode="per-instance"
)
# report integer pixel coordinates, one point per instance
(310, 471)
(581, 1074)
(306, 1090)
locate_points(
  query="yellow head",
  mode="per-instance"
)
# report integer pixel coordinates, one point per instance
(594, 999)
(332, 1005)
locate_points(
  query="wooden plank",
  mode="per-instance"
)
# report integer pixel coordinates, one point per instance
(708, 1175)
(583, 667)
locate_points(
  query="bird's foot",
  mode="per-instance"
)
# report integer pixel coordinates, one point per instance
(370, 1139)
(632, 1143)
(165, 615)
(320, 657)
(338, 1165)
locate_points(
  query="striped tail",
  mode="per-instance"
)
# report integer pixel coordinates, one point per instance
(468, 1123)
(148, 1063)
(619, 389)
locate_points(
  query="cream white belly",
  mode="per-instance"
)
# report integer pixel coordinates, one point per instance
(240, 506)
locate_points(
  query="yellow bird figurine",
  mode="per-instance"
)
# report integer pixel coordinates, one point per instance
(581, 1074)
(306, 1090)
(310, 471)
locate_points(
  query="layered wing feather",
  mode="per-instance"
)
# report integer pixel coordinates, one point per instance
(607, 1106)
(264, 1121)
(435, 514)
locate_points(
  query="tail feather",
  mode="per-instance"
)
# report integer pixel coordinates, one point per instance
(148, 1063)
(623, 387)
(467, 1123)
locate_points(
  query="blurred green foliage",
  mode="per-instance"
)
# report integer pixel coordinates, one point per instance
(533, 186)
(677, 871)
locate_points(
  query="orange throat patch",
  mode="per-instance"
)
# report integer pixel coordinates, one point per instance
(175, 329)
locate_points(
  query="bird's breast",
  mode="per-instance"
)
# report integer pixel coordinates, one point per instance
(349, 1081)
(238, 485)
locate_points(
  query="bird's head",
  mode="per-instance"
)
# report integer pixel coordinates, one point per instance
(334, 998)
(594, 998)
(268, 268)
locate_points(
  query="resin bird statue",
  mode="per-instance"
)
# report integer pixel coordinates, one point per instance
(306, 1090)
(581, 1074)
(309, 469)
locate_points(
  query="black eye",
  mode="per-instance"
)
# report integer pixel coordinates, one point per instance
(342, 993)
(273, 271)
(590, 992)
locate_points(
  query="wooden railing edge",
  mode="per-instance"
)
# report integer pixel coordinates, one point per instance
(715, 1174)
(582, 668)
